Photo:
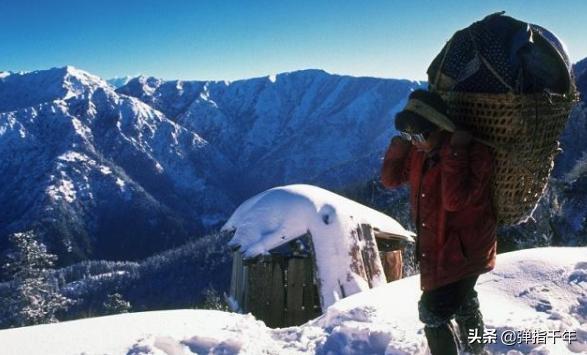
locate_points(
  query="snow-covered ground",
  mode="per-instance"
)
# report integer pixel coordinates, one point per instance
(541, 291)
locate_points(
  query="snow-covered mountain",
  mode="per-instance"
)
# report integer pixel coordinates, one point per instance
(121, 174)
(535, 302)
(101, 174)
(306, 126)
(564, 208)
(21, 90)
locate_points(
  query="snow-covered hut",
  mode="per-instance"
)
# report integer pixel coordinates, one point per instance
(300, 248)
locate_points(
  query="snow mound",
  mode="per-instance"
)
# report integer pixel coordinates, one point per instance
(282, 214)
(542, 289)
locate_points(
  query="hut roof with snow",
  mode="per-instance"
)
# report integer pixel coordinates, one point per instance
(282, 214)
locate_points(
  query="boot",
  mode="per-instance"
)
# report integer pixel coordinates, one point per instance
(471, 323)
(441, 340)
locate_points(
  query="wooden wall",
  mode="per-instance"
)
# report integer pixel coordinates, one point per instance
(280, 291)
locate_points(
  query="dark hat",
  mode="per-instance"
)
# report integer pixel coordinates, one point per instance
(422, 113)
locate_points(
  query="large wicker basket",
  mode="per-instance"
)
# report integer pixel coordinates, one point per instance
(524, 130)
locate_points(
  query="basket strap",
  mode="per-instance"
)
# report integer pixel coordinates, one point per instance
(488, 65)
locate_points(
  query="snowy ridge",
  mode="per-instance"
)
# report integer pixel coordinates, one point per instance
(80, 149)
(541, 289)
(184, 154)
(175, 157)
(21, 90)
(306, 126)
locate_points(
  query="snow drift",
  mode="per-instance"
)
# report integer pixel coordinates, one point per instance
(541, 289)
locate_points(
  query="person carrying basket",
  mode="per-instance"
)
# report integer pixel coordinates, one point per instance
(449, 175)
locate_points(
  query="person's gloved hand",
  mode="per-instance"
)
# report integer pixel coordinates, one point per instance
(400, 146)
(461, 139)
(399, 140)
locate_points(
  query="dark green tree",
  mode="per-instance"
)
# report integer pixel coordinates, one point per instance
(212, 300)
(115, 304)
(34, 296)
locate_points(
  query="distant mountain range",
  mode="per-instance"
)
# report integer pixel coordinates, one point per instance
(123, 173)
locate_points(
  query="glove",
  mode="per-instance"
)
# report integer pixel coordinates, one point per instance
(400, 146)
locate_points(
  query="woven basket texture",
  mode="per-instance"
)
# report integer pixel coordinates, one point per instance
(524, 131)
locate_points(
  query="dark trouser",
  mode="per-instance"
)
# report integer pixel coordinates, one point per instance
(437, 308)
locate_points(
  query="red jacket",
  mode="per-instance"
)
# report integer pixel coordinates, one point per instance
(451, 206)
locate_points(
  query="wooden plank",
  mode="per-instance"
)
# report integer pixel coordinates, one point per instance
(371, 258)
(392, 264)
(246, 284)
(295, 291)
(250, 287)
(263, 296)
(237, 280)
(365, 231)
(307, 296)
(367, 266)
(242, 278)
(233, 277)
(243, 290)
(255, 297)
(311, 302)
(357, 258)
(396, 262)
(277, 299)
(317, 280)
(317, 298)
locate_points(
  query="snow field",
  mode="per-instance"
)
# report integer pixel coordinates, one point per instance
(535, 289)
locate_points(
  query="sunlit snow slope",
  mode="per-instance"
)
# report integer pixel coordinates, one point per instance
(541, 289)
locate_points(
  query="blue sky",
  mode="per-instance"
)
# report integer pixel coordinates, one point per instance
(227, 40)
